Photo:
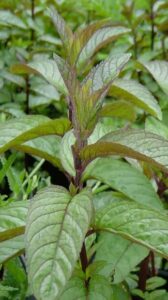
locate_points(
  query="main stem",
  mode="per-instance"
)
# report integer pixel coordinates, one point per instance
(79, 186)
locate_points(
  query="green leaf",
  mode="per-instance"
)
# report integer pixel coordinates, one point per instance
(100, 38)
(75, 289)
(45, 89)
(137, 292)
(120, 292)
(9, 19)
(137, 223)
(47, 147)
(50, 39)
(64, 68)
(120, 109)
(12, 219)
(13, 78)
(101, 129)
(88, 98)
(13, 178)
(55, 230)
(121, 256)
(5, 291)
(13, 215)
(63, 30)
(132, 143)
(160, 294)
(11, 248)
(4, 34)
(106, 71)
(82, 36)
(66, 155)
(36, 101)
(6, 166)
(159, 70)
(157, 127)
(12, 109)
(103, 197)
(47, 68)
(100, 288)
(136, 93)
(15, 276)
(154, 283)
(18, 131)
(124, 178)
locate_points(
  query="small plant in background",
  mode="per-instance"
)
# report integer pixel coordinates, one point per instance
(104, 234)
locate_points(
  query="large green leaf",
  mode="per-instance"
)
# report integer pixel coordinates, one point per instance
(98, 40)
(106, 71)
(47, 68)
(9, 19)
(159, 70)
(133, 143)
(136, 223)
(121, 256)
(18, 131)
(124, 178)
(136, 93)
(11, 248)
(55, 230)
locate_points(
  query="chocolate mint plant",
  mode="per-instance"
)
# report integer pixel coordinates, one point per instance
(82, 242)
